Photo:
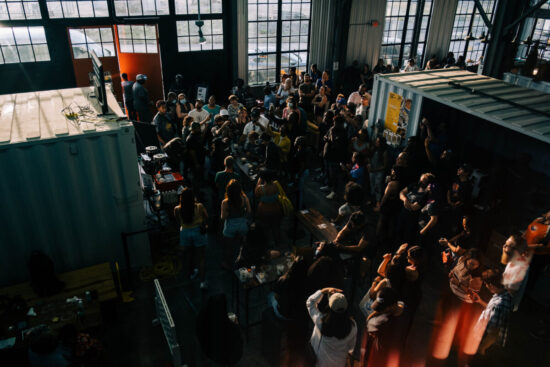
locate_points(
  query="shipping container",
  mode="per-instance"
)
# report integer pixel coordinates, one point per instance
(70, 185)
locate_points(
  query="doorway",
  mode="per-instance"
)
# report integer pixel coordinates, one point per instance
(99, 39)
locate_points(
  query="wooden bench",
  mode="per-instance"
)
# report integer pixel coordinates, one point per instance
(319, 227)
(92, 278)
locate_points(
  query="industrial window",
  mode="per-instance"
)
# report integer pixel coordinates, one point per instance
(192, 6)
(17, 9)
(86, 40)
(189, 40)
(278, 38)
(77, 9)
(469, 29)
(23, 44)
(541, 33)
(405, 31)
(141, 7)
(139, 39)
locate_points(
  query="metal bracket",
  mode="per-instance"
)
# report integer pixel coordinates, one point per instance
(529, 11)
(483, 15)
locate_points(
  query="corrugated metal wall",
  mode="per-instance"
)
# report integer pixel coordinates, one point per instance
(441, 27)
(379, 103)
(364, 40)
(321, 39)
(71, 198)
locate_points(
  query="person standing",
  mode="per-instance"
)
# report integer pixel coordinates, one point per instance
(166, 129)
(193, 219)
(128, 96)
(335, 331)
(142, 102)
(212, 108)
(235, 211)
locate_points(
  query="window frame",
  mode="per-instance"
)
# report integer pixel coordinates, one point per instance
(401, 34)
(278, 53)
(193, 14)
(31, 43)
(78, 3)
(132, 39)
(142, 14)
(86, 43)
(22, 2)
(472, 17)
(189, 36)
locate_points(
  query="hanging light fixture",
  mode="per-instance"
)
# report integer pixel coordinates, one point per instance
(199, 23)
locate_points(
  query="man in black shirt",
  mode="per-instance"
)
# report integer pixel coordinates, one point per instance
(306, 91)
(166, 129)
(272, 156)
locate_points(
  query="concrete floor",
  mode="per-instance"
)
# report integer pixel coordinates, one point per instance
(133, 340)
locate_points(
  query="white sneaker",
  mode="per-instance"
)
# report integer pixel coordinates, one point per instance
(331, 196)
(204, 285)
(325, 188)
(194, 274)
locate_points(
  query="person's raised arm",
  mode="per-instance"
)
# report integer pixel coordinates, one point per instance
(384, 264)
(429, 225)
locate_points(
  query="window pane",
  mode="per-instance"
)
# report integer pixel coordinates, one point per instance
(37, 34)
(41, 52)
(149, 7)
(126, 46)
(21, 35)
(70, 9)
(181, 6)
(80, 51)
(134, 7)
(151, 46)
(216, 6)
(10, 54)
(150, 32)
(139, 46)
(195, 45)
(120, 8)
(106, 35)
(32, 10)
(26, 53)
(92, 35)
(182, 28)
(16, 11)
(95, 47)
(183, 44)
(138, 32)
(86, 9)
(109, 50)
(217, 42)
(101, 9)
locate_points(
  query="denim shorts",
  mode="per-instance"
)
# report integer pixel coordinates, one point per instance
(234, 227)
(192, 237)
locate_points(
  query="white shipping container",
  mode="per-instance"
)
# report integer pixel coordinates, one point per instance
(68, 189)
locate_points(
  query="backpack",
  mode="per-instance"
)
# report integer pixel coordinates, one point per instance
(43, 278)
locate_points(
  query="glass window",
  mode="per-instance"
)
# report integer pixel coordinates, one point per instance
(138, 39)
(125, 8)
(277, 44)
(19, 9)
(188, 35)
(468, 21)
(192, 6)
(77, 9)
(23, 44)
(403, 38)
(86, 40)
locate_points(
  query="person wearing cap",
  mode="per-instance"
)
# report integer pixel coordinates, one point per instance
(142, 102)
(233, 107)
(383, 336)
(165, 127)
(255, 124)
(356, 97)
(335, 331)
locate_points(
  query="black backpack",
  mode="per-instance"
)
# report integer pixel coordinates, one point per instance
(43, 278)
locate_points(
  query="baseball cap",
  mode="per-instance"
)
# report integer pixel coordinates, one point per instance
(385, 298)
(224, 112)
(195, 125)
(338, 302)
(141, 77)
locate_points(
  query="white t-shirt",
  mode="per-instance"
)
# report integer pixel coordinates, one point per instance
(516, 270)
(409, 68)
(330, 351)
(249, 127)
(198, 116)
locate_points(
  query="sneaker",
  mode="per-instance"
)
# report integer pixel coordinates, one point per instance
(331, 196)
(194, 275)
(325, 188)
(204, 285)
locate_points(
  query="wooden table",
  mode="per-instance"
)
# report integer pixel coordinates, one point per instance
(317, 225)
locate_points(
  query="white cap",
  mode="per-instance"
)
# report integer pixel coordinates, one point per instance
(338, 302)
(141, 77)
(224, 112)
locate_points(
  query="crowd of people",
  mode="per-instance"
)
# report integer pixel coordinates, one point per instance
(421, 196)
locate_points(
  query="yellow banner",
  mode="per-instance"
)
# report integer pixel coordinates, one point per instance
(392, 111)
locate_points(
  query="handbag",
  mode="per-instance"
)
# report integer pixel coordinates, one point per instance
(285, 202)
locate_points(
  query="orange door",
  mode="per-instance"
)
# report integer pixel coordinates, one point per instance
(139, 53)
(100, 39)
